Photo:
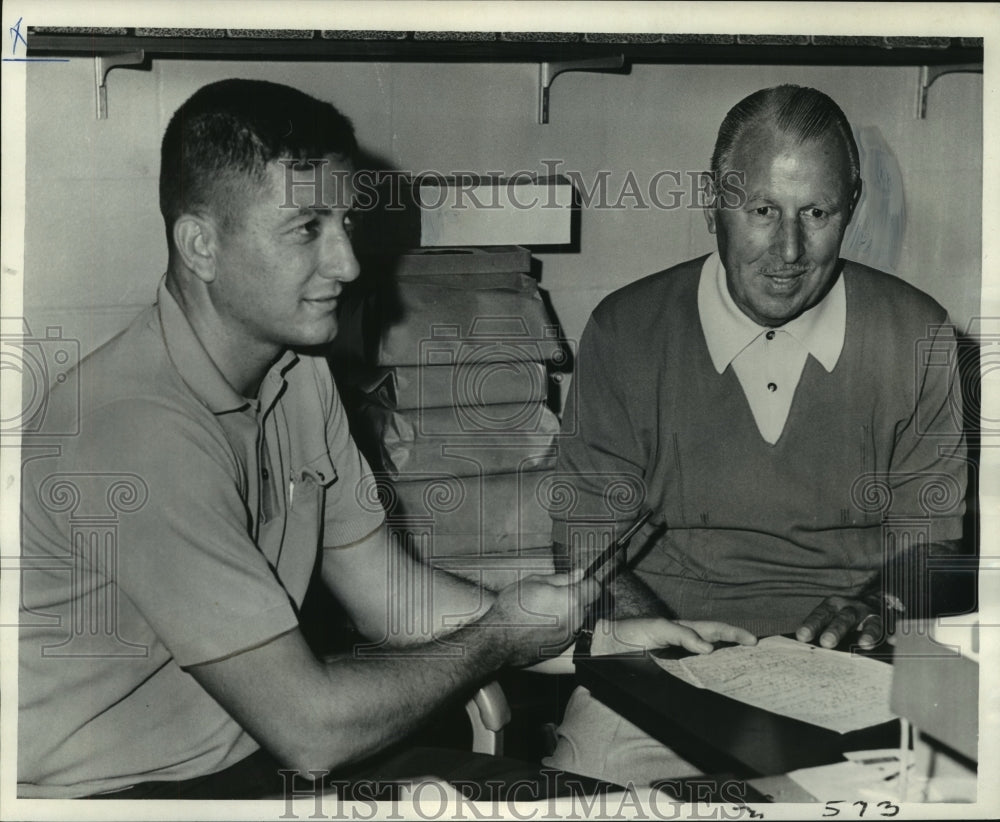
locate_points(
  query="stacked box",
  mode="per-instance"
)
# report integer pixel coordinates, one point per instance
(428, 319)
(444, 365)
(440, 439)
(410, 387)
(446, 212)
(472, 515)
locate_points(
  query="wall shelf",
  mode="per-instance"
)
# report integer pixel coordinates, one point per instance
(928, 74)
(553, 51)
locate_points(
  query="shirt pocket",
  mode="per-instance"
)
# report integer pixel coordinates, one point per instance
(308, 485)
(302, 531)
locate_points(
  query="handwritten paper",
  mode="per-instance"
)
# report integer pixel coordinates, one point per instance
(833, 689)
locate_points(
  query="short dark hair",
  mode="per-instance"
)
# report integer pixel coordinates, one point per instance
(220, 141)
(800, 112)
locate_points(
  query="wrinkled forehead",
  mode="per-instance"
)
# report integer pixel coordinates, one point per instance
(764, 156)
(762, 144)
(320, 183)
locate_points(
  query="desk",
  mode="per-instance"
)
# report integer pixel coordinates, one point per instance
(713, 732)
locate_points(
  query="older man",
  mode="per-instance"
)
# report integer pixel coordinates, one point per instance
(783, 409)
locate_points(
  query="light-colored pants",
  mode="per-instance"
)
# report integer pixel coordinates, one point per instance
(595, 741)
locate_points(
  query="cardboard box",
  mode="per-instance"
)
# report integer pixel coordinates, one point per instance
(458, 516)
(461, 441)
(449, 260)
(402, 387)
(449, 320)
(434, 210)
(490, 212)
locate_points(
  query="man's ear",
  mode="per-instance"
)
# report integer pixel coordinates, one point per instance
(195, 240)
(709, 208)
(855, 197)
(710, 218)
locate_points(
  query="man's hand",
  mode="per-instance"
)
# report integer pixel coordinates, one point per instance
(835, 617)
(620, 636)
(540, 612)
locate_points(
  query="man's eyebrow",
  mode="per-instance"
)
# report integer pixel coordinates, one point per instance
(310, 211)
(826, 202)
(323, 210)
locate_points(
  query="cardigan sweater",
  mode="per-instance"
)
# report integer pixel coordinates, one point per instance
(871, 459)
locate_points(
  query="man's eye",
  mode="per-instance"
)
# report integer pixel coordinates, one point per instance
(816, 213)
(763, 211)
(350, 222)
(307, 229)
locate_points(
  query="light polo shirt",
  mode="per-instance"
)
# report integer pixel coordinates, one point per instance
(181, 525)
(768, 361)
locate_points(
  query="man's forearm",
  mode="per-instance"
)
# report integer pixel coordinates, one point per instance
(633, 598)
(315, 714)
(625, 596)
(318, 715)
(395, 598)
(450, 602)
(903, 585)
(384, 697)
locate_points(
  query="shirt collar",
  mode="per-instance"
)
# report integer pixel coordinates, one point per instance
(728, 330)
(196, 367)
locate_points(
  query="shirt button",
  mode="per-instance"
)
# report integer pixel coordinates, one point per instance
(265, 473)
(769, 335)
(772, 387)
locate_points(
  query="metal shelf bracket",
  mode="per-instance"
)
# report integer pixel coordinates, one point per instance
(102, 65)
(548, 71)
(928, 74)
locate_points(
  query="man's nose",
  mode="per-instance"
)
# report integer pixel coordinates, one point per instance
(789, 239)
(339, 262)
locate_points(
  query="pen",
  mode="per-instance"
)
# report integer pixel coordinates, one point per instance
(609, 552)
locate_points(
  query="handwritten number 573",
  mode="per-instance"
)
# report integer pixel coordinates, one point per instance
(887, 808)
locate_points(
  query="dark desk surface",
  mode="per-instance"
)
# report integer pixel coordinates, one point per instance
(714, 732)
